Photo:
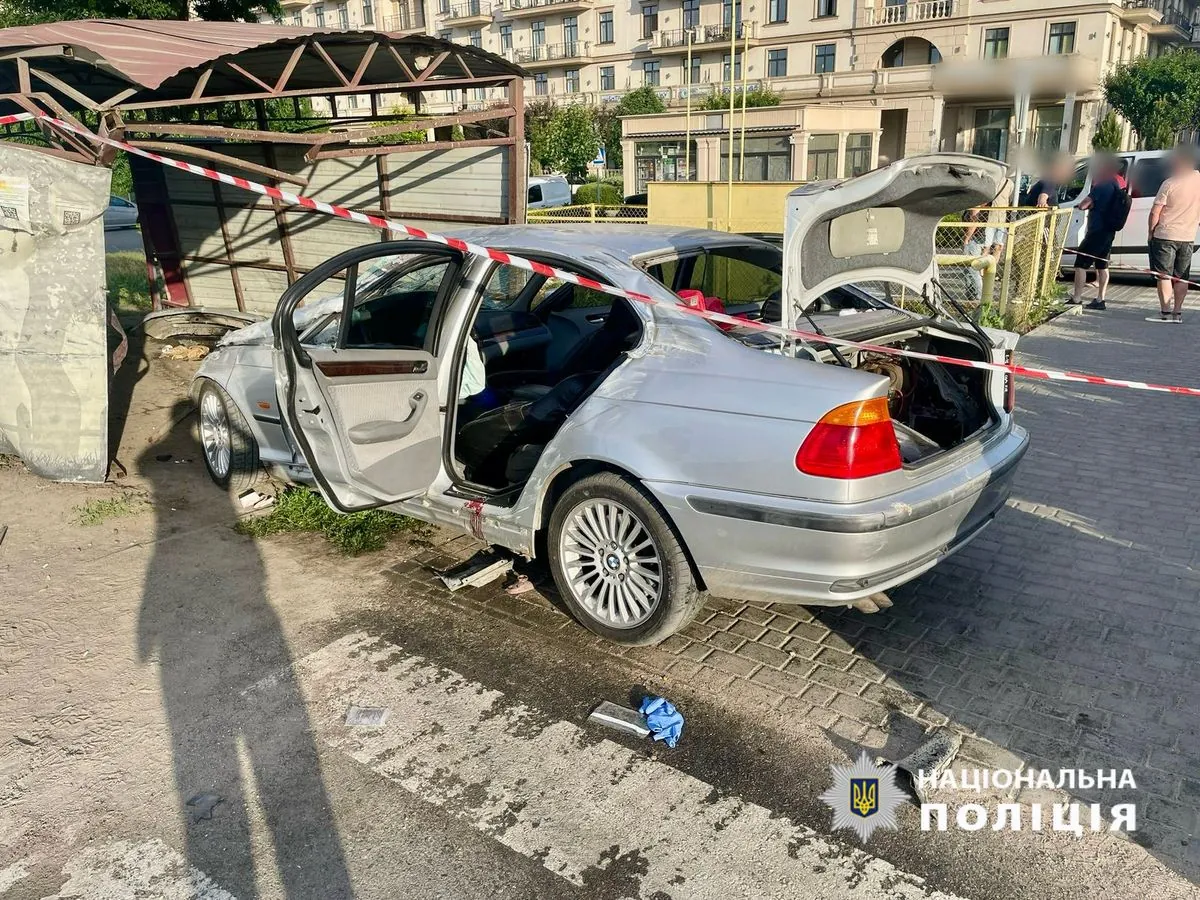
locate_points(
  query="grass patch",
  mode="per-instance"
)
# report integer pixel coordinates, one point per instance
(125, 275)
(299, 509)
(96, 512)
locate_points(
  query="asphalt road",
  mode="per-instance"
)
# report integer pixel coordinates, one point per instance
(123, 240)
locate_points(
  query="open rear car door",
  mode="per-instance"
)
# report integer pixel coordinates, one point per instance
(358, 389)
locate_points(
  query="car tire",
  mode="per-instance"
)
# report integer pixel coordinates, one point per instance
(618, 562)
(226, 442)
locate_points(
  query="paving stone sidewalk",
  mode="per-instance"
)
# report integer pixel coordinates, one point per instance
(1066, 636)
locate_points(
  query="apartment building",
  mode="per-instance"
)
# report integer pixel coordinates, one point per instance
(981, 76)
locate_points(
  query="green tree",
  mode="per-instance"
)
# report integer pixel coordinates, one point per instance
(640, 102)
(1108, 133)
(538, 115)
(570, 141)
(29, 12)
(1159, 97)
(756, 97)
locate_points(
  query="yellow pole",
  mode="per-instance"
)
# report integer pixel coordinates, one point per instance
(687, 141)
(745, 76)
(732, 60)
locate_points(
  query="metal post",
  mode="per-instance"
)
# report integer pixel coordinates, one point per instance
(745, 76)
(1008, 268)
(732, 69)
(687, 140)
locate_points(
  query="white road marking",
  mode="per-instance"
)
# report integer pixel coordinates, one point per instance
(583, 806)
(126, 869)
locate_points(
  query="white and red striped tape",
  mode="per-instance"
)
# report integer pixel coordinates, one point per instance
(554, 272)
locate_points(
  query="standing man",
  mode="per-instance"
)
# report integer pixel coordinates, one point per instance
(1096, 247)
(1174, 220)
(1044, 193)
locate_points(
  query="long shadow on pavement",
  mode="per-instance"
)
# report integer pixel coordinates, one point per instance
(241, 764)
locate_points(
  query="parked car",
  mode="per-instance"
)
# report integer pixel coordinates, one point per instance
(120, 214)
(646, 454)
(548, 190)
(1144, 172)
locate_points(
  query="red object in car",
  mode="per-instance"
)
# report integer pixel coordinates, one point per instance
(696, 300)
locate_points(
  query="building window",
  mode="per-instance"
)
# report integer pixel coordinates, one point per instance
(665, 161)
(858, 154)
(691, 13)
(505, 37)
(737, 67)
(761, 159)
(825, 59)
(608, 78)
(650, 72)
(991, 132)
(445, 35)
(776, 11)
(1048, 128)
(443, 6)
(1062, 37)
(828, 8)
(297, 18)
(995, 43)
(731, 12)
(475, 37)
(541, 86)
(319, 14)
(572, 81)
(606, 28)
(368, 12)
(570, 29)
(692, 76)
(777, 64)
(822, 157)
(538, 30)
(343, 16)
(649, 20)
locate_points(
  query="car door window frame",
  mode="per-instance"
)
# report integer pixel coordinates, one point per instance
(350, 288)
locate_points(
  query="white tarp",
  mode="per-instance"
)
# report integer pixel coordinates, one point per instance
(53, 335)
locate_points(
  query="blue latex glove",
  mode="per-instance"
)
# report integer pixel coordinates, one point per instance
(663, 719)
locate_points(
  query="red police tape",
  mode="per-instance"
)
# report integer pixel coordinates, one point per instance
(564, 275)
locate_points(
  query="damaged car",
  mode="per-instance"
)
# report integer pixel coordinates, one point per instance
(651, 457)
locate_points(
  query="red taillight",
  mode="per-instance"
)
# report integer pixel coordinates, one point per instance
(855, 440)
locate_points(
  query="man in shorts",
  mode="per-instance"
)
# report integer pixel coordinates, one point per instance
(1174, 220)
(1096, 248)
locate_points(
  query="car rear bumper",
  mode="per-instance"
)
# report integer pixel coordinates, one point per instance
(776, 549)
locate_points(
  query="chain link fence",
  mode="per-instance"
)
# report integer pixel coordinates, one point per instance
(1020, 248)
(589, 212)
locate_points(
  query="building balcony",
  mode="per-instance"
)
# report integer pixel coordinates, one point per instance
(405, 20)
(1163, 23)
(877, 12)
(548, 54)
(473, 12)
(293, 5)
(519, 8)
(676, 41)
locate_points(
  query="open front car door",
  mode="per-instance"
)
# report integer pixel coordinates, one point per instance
(358, 388)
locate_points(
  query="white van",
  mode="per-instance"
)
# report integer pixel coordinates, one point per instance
(548, 190)
(1144, 171)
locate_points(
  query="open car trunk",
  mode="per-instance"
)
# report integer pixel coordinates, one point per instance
(935, 407)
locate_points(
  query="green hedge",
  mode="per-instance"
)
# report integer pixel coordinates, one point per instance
(598, 192)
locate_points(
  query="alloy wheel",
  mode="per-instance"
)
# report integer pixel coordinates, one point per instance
(612, 564)
(215, 434)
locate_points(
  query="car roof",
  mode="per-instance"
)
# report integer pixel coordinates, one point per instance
(620, 243)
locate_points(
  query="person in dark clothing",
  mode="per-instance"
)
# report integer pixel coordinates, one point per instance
(1044, 193)
(1096, 247)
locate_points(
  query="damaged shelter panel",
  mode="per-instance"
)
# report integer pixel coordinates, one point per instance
(235, 249)
(54, 366)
